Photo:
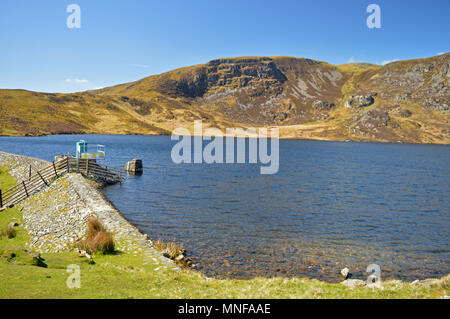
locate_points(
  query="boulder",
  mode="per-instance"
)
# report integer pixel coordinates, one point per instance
(423, 68)
(345, 273)
(375, 118)
(280, 117)
(404, 113)
(402, 97)
(353, 283)
(322, 105)
(83, 253)
(134, 166)
(361, 100)
(437, 103)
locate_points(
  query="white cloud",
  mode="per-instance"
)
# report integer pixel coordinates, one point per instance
(98, 87)
(77, 81)
(351, 60)
(388, 61)
(441, 53)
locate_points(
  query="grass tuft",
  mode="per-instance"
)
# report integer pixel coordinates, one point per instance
(97, 238)
(9, 232)
(170, 250)
(174, 252)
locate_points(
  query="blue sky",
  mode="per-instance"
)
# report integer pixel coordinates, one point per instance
(123, 41)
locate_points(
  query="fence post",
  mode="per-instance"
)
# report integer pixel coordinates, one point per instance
(68, 165)
(87, 167)
(29, 174)
(42, 178)
(1, 200)
(25, 188)
(54, 168)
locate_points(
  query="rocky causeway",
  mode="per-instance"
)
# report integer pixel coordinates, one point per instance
(56, 217)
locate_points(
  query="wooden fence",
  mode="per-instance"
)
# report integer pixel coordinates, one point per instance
(45, 176)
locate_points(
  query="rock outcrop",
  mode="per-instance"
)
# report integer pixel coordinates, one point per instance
(360, 100)
(322, 105)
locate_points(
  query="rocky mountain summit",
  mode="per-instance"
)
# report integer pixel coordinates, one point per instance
(406, 101)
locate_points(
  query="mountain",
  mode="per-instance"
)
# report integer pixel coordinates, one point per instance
(406, 101)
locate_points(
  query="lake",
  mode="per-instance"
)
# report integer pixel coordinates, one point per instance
(331, 205)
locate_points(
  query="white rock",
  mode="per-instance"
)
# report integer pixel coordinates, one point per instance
(345, 272)
(353, 283)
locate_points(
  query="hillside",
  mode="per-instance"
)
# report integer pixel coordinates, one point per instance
(405, 101)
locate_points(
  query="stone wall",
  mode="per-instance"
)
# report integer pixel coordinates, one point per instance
(19, 165)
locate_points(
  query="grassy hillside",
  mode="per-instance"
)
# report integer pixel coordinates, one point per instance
(406, 101)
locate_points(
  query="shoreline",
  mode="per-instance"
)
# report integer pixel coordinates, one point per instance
(130, 238)
(346, 140)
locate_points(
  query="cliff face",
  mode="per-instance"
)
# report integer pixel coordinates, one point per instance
(412, 97)
(404, 101)
(422, 82)
(256, 91)
(278, 91)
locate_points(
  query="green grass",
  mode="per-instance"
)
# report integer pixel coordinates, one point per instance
(130, 276)
(6, 180)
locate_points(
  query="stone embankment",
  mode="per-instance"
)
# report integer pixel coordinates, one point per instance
(56, 217)
(19, 166)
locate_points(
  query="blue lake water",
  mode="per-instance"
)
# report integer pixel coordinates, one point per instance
(331, 205)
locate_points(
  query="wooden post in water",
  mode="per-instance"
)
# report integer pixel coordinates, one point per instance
(68, 165)
(29, 174)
